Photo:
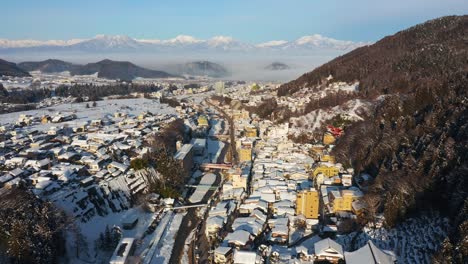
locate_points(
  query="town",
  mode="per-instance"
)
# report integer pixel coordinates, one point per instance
(249, 194)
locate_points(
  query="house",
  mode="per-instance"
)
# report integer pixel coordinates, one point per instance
(96, 122)
(369, 253)
(250, 224)
(239, 180)
(123, 251)
(303, 253)
(213, 225)
(328, 250)
(199, 146)
(347, 179)
(203, 120)
(246, 257)
(224, 255)
(245, 150)
(280, 232)
(328, 139)
(86, 182)
(239, 239)
(327, 158)
(185, 157)
(307, 204)
(250, 131)
(5, 179)
(326, 170)
(118, 166)
(15, 162)
(342, 200)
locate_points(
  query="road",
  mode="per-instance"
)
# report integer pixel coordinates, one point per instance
(191, 219)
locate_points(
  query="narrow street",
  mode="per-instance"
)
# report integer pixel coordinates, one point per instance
(192, 220)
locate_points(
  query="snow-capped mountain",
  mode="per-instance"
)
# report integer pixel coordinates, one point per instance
(6, 43)
(312, 42)
(103, 43)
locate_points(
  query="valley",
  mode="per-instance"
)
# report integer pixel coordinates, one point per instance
(361, 159)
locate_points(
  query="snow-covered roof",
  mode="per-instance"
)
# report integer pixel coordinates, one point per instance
(245, 257)
(240, 237)
(328, 247)
(222, 250)
(368, 254)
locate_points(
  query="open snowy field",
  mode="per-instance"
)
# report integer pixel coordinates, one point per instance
(104, 108)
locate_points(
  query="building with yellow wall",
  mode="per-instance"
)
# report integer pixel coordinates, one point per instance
(307, 204)
(239, 181)
(327, 158)
(343, 200)
(245, 150)
(202, 120)
(245, 154)
(328, 139)
(250, 131)
(328, 171)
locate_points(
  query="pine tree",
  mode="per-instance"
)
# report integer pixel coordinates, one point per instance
(107, 239)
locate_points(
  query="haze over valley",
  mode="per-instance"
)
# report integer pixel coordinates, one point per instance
(234, 132)
(242, 60)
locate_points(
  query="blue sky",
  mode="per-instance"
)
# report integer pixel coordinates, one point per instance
(247, 20)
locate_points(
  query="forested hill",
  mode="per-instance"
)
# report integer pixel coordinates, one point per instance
(11, 69)
(415, 141)
(47, 66)
(420, 55)
(122, 70)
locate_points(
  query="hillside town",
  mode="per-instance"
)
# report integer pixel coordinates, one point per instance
(251, 194)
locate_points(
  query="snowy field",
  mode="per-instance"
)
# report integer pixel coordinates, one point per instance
(104, 108)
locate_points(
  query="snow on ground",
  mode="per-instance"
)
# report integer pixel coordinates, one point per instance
(413, 241)
(92, 229)
(331, 88)
(157, 238)
(185, 256)
(351, 110)
(196, 98)
(104, 108)
(163, 252)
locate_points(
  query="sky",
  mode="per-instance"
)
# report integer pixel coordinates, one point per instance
(251, 21)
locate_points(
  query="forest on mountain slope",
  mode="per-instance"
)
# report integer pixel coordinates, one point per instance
(415, 142)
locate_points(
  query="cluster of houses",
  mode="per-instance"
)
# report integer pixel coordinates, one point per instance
(279, 195)
(85, 169)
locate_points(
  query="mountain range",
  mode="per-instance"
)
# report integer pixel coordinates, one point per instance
(118, 70)
(11, 69)
(120, 43)
(48, 66)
